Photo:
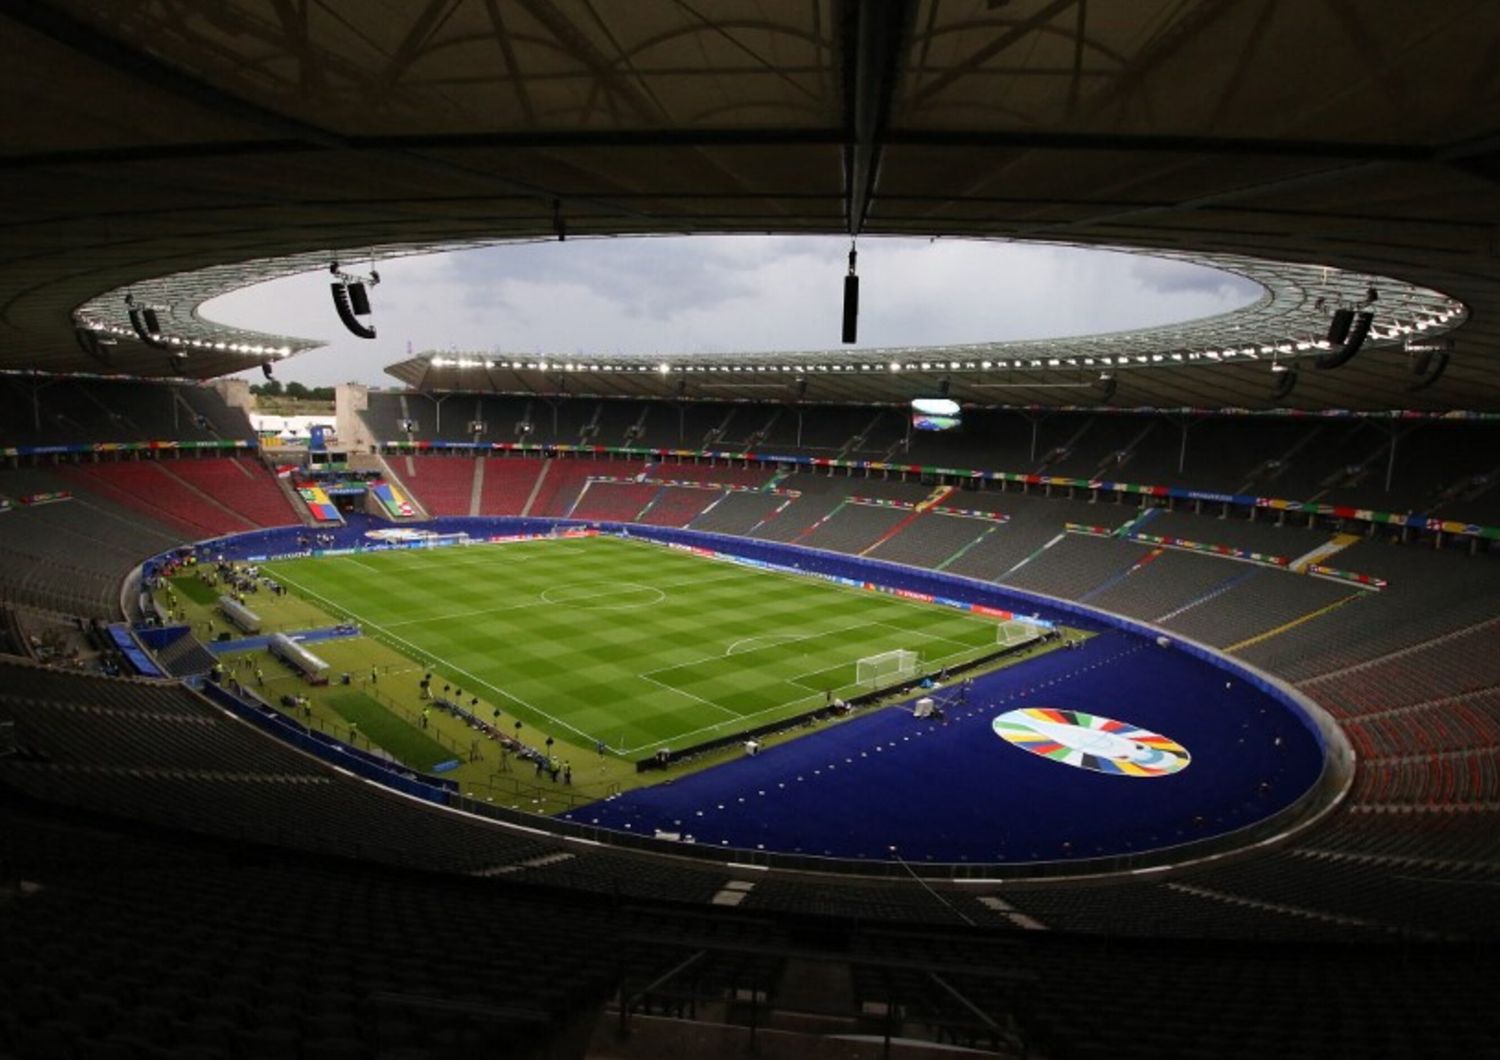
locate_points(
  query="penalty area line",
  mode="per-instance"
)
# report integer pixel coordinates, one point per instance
(420, 653)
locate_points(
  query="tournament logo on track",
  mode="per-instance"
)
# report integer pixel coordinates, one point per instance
(1089, 741)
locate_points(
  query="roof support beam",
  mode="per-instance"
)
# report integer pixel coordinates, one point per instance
(874, 33)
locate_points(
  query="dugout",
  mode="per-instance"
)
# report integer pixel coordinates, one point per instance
(314, 669)
(239, 616)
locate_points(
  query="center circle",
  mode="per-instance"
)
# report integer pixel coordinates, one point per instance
(604, 596)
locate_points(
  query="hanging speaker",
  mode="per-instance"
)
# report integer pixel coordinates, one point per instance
(153, 325)
(265, 369)
(1352, 342)
(1430, 372)
(346, 312)
(359, 298)
(150, 338)
(1285, 382)
(851, 308)
(1338, 326)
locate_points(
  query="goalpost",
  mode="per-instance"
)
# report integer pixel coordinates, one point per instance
(885, 668)
(1016, 631)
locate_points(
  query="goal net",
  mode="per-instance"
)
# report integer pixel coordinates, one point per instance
(885, 668)
(1014, 632)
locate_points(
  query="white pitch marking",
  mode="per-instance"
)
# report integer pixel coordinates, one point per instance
(419, 653)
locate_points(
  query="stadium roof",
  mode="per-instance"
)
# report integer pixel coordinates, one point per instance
(251, 137)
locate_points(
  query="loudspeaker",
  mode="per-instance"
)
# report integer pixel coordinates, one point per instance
(1430, 367)
(265, 369)
(359, 298)
(851, 309)
(150, 338)
(1338, 325)
(346, 312)
(1284, 385)
(153, 325)
(1355, 339)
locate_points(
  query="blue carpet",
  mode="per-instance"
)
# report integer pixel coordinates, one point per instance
(953, 791)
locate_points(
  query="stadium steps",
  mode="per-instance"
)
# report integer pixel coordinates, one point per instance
(1278, 907)
(539, 862)
(1031, 557)
(1478, 868)
(1399, 653)
(476, 494)
(180, 773)
(1216, 591)
(1130, 526)
(1285, 627)
(1115, 579)
(732, 893)
(400, 494)
(892, 532)
(768, 518)
(1011, 914)
(823, 519)
(1424, 807)
(960, 553)
(536, 487)
(296, 500)
(1325, 550)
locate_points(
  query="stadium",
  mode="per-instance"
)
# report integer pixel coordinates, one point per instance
(855, 702)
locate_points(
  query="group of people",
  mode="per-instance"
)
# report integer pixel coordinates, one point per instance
(321, 539)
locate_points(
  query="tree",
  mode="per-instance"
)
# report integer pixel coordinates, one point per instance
(296, 390)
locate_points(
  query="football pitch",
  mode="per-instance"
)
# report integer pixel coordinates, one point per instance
(603, 640)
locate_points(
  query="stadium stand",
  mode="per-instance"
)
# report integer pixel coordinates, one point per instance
(563, 480)
(739, 513)
(678, 505)
(71, 556)
(148, 488)
(50, 411)
(177, 885)
(508, 484)
(1258, 603)
(853, 527)
(1262, 535)
(931, 539)
(614, 501)
(241, 484)
(799, 517)
(1171, 581)
(718, 473)
(444, 485)
(1076, 565)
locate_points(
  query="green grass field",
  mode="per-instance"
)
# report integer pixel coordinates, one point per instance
(189, 586)
(408, 744)
(631, 644)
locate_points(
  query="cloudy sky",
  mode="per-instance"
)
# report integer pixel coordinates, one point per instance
(721, 294)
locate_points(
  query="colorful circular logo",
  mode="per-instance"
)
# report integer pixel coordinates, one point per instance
(1089, 741)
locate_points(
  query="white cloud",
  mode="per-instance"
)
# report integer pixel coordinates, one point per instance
(724, 294)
